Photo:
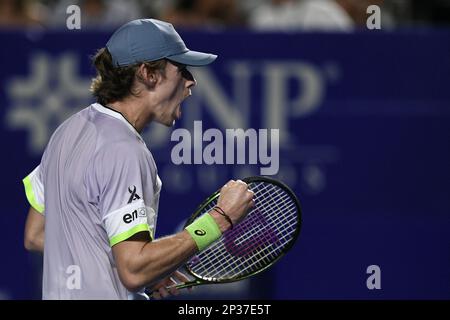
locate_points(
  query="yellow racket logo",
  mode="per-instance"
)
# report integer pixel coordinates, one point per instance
(200, 232)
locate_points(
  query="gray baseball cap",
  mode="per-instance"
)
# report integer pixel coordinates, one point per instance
(149, 40)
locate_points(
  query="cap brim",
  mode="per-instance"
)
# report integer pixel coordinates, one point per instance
(193, 58)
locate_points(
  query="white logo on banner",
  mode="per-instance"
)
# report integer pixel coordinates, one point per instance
(54, 89)
(290, 89)
(46, 97)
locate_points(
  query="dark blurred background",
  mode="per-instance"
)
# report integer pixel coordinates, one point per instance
(363, 114)
(225, 14)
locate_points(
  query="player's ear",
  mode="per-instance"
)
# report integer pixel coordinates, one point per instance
(146, 76)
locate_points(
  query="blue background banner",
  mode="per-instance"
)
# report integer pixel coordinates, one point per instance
(364, 122)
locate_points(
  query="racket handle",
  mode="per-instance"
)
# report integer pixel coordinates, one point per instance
(178, 286)
(186, 284)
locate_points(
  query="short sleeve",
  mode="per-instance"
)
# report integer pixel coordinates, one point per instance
(34, 189)
(120, 185)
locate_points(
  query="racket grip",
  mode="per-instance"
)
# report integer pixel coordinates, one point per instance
(178, 286)
(185, 285)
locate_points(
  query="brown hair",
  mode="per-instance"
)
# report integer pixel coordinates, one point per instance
(115, 83)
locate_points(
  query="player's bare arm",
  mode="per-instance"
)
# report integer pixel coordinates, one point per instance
(34, 231)
(142, 262)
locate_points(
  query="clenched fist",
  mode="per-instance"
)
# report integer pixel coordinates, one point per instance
(235, 200)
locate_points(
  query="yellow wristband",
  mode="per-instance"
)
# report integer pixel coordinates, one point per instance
(204, 231)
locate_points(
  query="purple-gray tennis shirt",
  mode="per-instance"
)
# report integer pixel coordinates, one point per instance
(97, 185)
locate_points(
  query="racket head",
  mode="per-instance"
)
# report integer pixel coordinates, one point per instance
(255, 254)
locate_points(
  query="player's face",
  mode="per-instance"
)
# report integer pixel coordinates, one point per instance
(172, 90)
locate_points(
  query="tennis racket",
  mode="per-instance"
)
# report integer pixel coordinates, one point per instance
(267, 233)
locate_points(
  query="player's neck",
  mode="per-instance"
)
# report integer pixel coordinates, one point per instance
(133, 110)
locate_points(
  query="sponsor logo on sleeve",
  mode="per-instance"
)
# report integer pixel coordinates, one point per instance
(134, 195)
(138, 213)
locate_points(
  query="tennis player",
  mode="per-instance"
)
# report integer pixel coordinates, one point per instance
(94, 196)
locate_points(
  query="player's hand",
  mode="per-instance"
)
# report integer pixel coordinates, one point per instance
(235, 199)
(167, 287)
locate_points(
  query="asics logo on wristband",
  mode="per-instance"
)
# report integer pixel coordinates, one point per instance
(200, 232)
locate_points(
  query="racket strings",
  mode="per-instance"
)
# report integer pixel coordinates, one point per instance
(242, 248)
(256, 232)
(262, 257)
(242, 225)
(244, 239)
(254, 243)
(232, 268)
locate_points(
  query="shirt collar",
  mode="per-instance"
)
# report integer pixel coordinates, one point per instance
(117, 115)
